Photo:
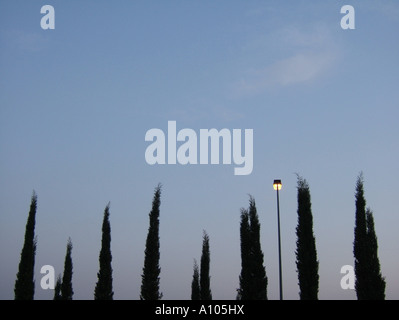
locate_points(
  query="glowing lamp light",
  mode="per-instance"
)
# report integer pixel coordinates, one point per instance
(277, 185)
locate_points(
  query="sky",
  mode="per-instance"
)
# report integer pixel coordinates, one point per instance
(77, 101)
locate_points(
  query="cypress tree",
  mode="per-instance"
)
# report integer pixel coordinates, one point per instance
(205, 279)
(103, 289)
(377, 282)
(244, 278)
(57, 289)
(259, 280)
(25, 284)
(151, 270)
(360, 241)
(369, 283)
(66, 286)
(253, 279)
(306, 255)
(195, 285)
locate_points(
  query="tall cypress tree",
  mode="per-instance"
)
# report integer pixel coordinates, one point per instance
(57, 289)
(25, 283)
(205, 279)
(244, 278)
(360, 241)
(253, 279)
(377, 282)
(306, 255)
(103, 289)
(195, 285)
(369, 283)
(259, 280)
(151, 270)
(66, 286)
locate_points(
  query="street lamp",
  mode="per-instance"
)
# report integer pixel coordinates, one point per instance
(277, 186)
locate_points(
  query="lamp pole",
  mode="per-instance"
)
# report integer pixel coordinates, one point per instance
(277, 186)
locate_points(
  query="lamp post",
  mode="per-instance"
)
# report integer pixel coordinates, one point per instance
(277, 186)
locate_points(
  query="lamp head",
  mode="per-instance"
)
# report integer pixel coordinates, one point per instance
(277, 185)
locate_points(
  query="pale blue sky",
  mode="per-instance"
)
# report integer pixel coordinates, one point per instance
(76, 102)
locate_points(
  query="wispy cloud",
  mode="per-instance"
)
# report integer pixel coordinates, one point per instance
(300, 68)
(307, 56)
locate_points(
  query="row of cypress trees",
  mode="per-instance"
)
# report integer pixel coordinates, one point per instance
(25, 284)
(253, 280)
(369, 283)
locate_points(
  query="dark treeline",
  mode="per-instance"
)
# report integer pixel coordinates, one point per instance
(253, 280)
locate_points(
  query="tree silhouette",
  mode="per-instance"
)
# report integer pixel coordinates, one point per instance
(253, 279)
(195, 285)
(151, 270)
(369, 283)
(57, 289)
(25, 284)
(205, 279)
(360, 241)
(66, 286)
(103, 289)
(377, 282)
(306, 255)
